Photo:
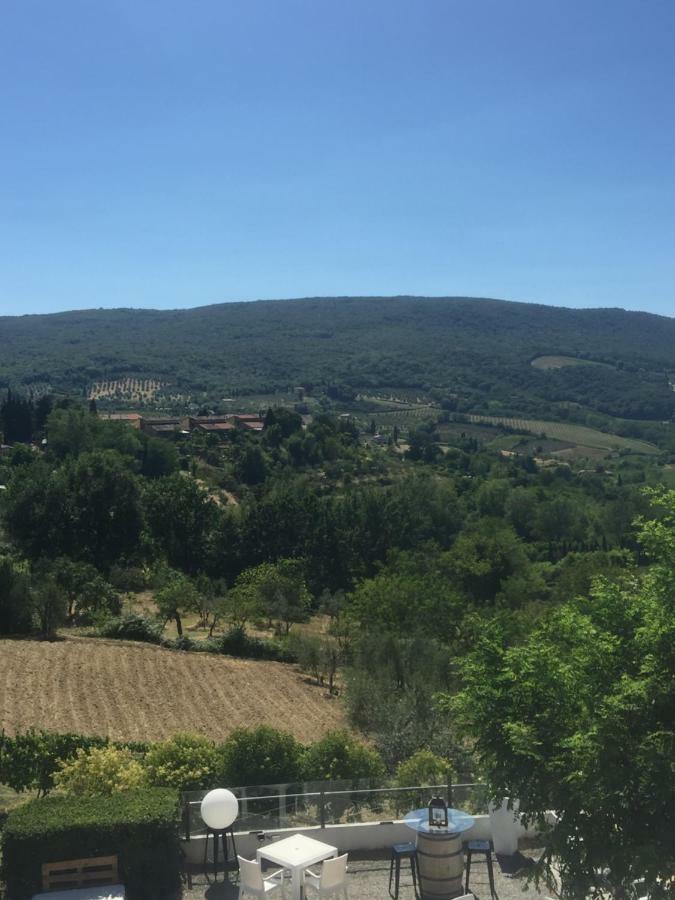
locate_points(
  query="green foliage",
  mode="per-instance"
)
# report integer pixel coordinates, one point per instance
(392, 681)
(99, 771)
(132, 627)
(86, 591)
(16, 604)
(277, 590)
(578, 719)
(186, 761)
(179, 518)
(88, 509)
(50, 605)
(262, 755)
(236, 642)
(319, 656)
(30, 760)
(337, 756)
(140, 827)
(175, 598)
(422, 768)
(350, 344)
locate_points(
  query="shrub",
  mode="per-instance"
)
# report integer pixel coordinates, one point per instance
(187, 762)
(29, 761)
(131, 578)
(338, 756)
(183, 642)
(261, 755)
(132, 627)
(140, 827)
(423, 767)
(99, 771)
(236, 642)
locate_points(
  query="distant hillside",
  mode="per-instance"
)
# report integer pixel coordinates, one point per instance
(474, 352)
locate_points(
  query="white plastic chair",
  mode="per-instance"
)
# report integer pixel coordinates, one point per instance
(331, 881)
(253, 884)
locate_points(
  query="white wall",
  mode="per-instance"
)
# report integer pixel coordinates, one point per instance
(361, 836)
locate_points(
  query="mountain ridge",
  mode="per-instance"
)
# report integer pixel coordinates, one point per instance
(478, 349)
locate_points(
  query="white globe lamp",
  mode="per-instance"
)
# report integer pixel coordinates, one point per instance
(219, 809)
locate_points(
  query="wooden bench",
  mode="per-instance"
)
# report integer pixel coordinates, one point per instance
(81, 875)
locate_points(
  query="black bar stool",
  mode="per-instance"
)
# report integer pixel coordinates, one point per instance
(399, 852)
(484, 849)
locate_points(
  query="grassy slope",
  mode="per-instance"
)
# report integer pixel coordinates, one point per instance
(575, 434)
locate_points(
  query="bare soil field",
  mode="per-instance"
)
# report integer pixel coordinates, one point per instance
(130, 691)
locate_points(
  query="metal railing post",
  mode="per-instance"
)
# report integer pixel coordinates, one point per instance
(322, 809)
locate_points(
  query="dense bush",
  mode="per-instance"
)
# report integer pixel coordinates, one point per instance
(132, 627)
(423, 767)
(29, 761)
(236, 642)
(139, 827)
(99, 771)
(39, 760)
(261, 755)
(186, 761)
(337, 756)
(129, 578)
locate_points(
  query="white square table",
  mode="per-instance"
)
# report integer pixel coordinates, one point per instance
(297, 853)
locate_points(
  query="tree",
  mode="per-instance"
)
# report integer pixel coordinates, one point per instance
(250, 464)
(50, 604)
(423, 768)
(16, 418)
(277, 590)
(338, 755)
(262, 755)
(579, 719)
(175, 598)
(84, 588)
(186, 761)
(180, 518)
(16, 604)
(88, 509)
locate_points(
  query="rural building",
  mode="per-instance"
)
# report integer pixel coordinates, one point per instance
(133, 419)
(171, 426)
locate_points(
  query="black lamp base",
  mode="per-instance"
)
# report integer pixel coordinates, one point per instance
(221, 837)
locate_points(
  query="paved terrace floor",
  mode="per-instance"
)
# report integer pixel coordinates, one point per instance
(369, 879)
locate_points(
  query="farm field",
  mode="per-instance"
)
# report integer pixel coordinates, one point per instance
(125, 389)
(557, 362)
(130, 691)
(575, 434)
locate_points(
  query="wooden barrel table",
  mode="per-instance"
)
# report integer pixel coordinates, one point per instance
(440, 861)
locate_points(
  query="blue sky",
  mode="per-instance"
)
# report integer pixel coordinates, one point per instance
(172, 154)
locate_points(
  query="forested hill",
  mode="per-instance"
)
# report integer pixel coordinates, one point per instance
(471, 349)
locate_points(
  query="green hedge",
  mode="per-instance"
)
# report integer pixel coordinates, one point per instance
(29, 760)
(140, 827)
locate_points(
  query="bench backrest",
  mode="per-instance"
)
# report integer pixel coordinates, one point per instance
(80, 872)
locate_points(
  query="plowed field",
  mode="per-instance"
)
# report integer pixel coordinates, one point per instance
(134, 691)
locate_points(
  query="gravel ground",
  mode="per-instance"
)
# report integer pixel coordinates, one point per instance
(369, 878)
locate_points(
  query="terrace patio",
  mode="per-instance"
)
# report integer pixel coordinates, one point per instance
(364, 823)
(369, 877)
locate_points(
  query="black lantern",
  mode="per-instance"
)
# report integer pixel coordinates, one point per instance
(438, 812)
